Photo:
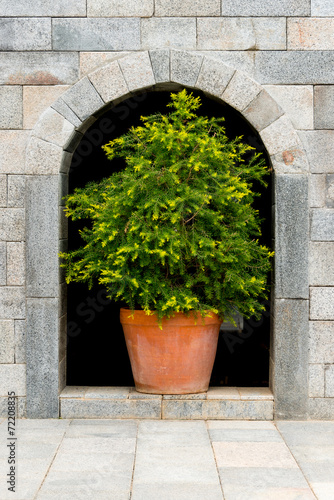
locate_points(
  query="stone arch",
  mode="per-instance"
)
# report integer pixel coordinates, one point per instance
(53, 141)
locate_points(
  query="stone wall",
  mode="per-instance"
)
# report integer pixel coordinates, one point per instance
(286, 46)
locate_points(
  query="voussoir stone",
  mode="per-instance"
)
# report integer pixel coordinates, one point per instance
(43, 158)
(160, 60)
(240, 91)
(109, 82)
(137, 71)
(185, 67)
(53, 127)
(83, 99)
(280, 136)
(214, 77)
(262, 111)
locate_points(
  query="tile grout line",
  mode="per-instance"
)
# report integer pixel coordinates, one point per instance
(214, 457)
(134, 462)
(299, 467)
(53, 459)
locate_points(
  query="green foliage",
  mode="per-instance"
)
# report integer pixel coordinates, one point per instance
(175, 230)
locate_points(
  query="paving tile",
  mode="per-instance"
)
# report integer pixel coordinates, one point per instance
(253, 455)
(184, 491)
(97, 445)
(240, 424)
(244, 435)
(114, 462)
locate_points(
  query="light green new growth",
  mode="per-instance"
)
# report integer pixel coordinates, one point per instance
(175, 230)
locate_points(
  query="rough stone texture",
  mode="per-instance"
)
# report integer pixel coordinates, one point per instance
(42, 236)
(178, 33)
(291, 345)
(322, 263)
(16, 190)
(112, 408)
(3, 191)
(59, 8)
(329, 381)
(3, 263)
(322, 224)
(316, 382)
(160, 60)
(291, 236)
(294, 67)
(96, 34)
(317, 190)
(37, 99)
(43, 158)
(241, 34)
(119, 8)
(319, 147)
(329, 191)
(324, 106)
(296, 101)
(53, 127)
(268, 8)
(11, 224)
(20, 341)
(322, 303)
(310, 34)
(109, 82)
(185, 69)
(322, 8)
(38, 68)
(12, 151)
(64, 109)
(240, 91)
(137, 71)
(15, 263)
(262, 111)
(20, 406)
(214, 409)
(12, 302)
(91, 61)
(7, 341)
(42, 358)
(241, 60)
(280, 136)
(83, 99)
(12, 378)
(187, 8)
(214, 77)
(321, 408)
(321, 342)
(25, 34)
(11, 107)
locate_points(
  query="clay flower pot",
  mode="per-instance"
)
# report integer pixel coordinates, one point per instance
(175, 360)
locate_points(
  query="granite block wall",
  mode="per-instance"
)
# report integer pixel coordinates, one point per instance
(285, 46)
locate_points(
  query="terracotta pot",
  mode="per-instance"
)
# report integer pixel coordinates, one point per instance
(175, 360)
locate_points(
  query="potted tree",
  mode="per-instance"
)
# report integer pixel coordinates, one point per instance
(174, 235)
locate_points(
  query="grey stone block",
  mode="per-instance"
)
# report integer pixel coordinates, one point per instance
(280, 136)
(22, 8)
(12, 151)
(3, 263)
(7, 341)
(297, 103)
(42, 358)
(321, 343)
(291, 236)
(104, 408)
(240, 91)
(20, 341)
(25, 34)
(319, 147)
(38, 68)
(20, 407)
(160, 60)
(241, 34)
(316, 381)
(214, 409)
(294, 67)
(322, 224)
(324, 106)
(16, 190)
(214, 77)
(12, 224)
(42, 236)
(43, 158)
(262, 111)
(12, 378)
(322, 303)
(322, 8)
(185, 67)
(137, 71)
(329, 381)
(63, 108)
(330, 190)
(11, 107)
(109, 82)
(12, 302)
(321, 408)
(187, 8)
(107, 392)
(36, 99)
(96, 34)
(53, 127)
(3, 191)
(177, 33)
(16, 263)
(241, 60)
(83, 99)
(269, 8)
(291, 355)
(317, 190)
(310, 34)
(321, 263)
(119, 8)
(201, 395)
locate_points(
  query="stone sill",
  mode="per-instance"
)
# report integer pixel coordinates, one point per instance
(243, 403)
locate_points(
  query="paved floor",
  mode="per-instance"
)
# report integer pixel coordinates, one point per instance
(169, 460)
